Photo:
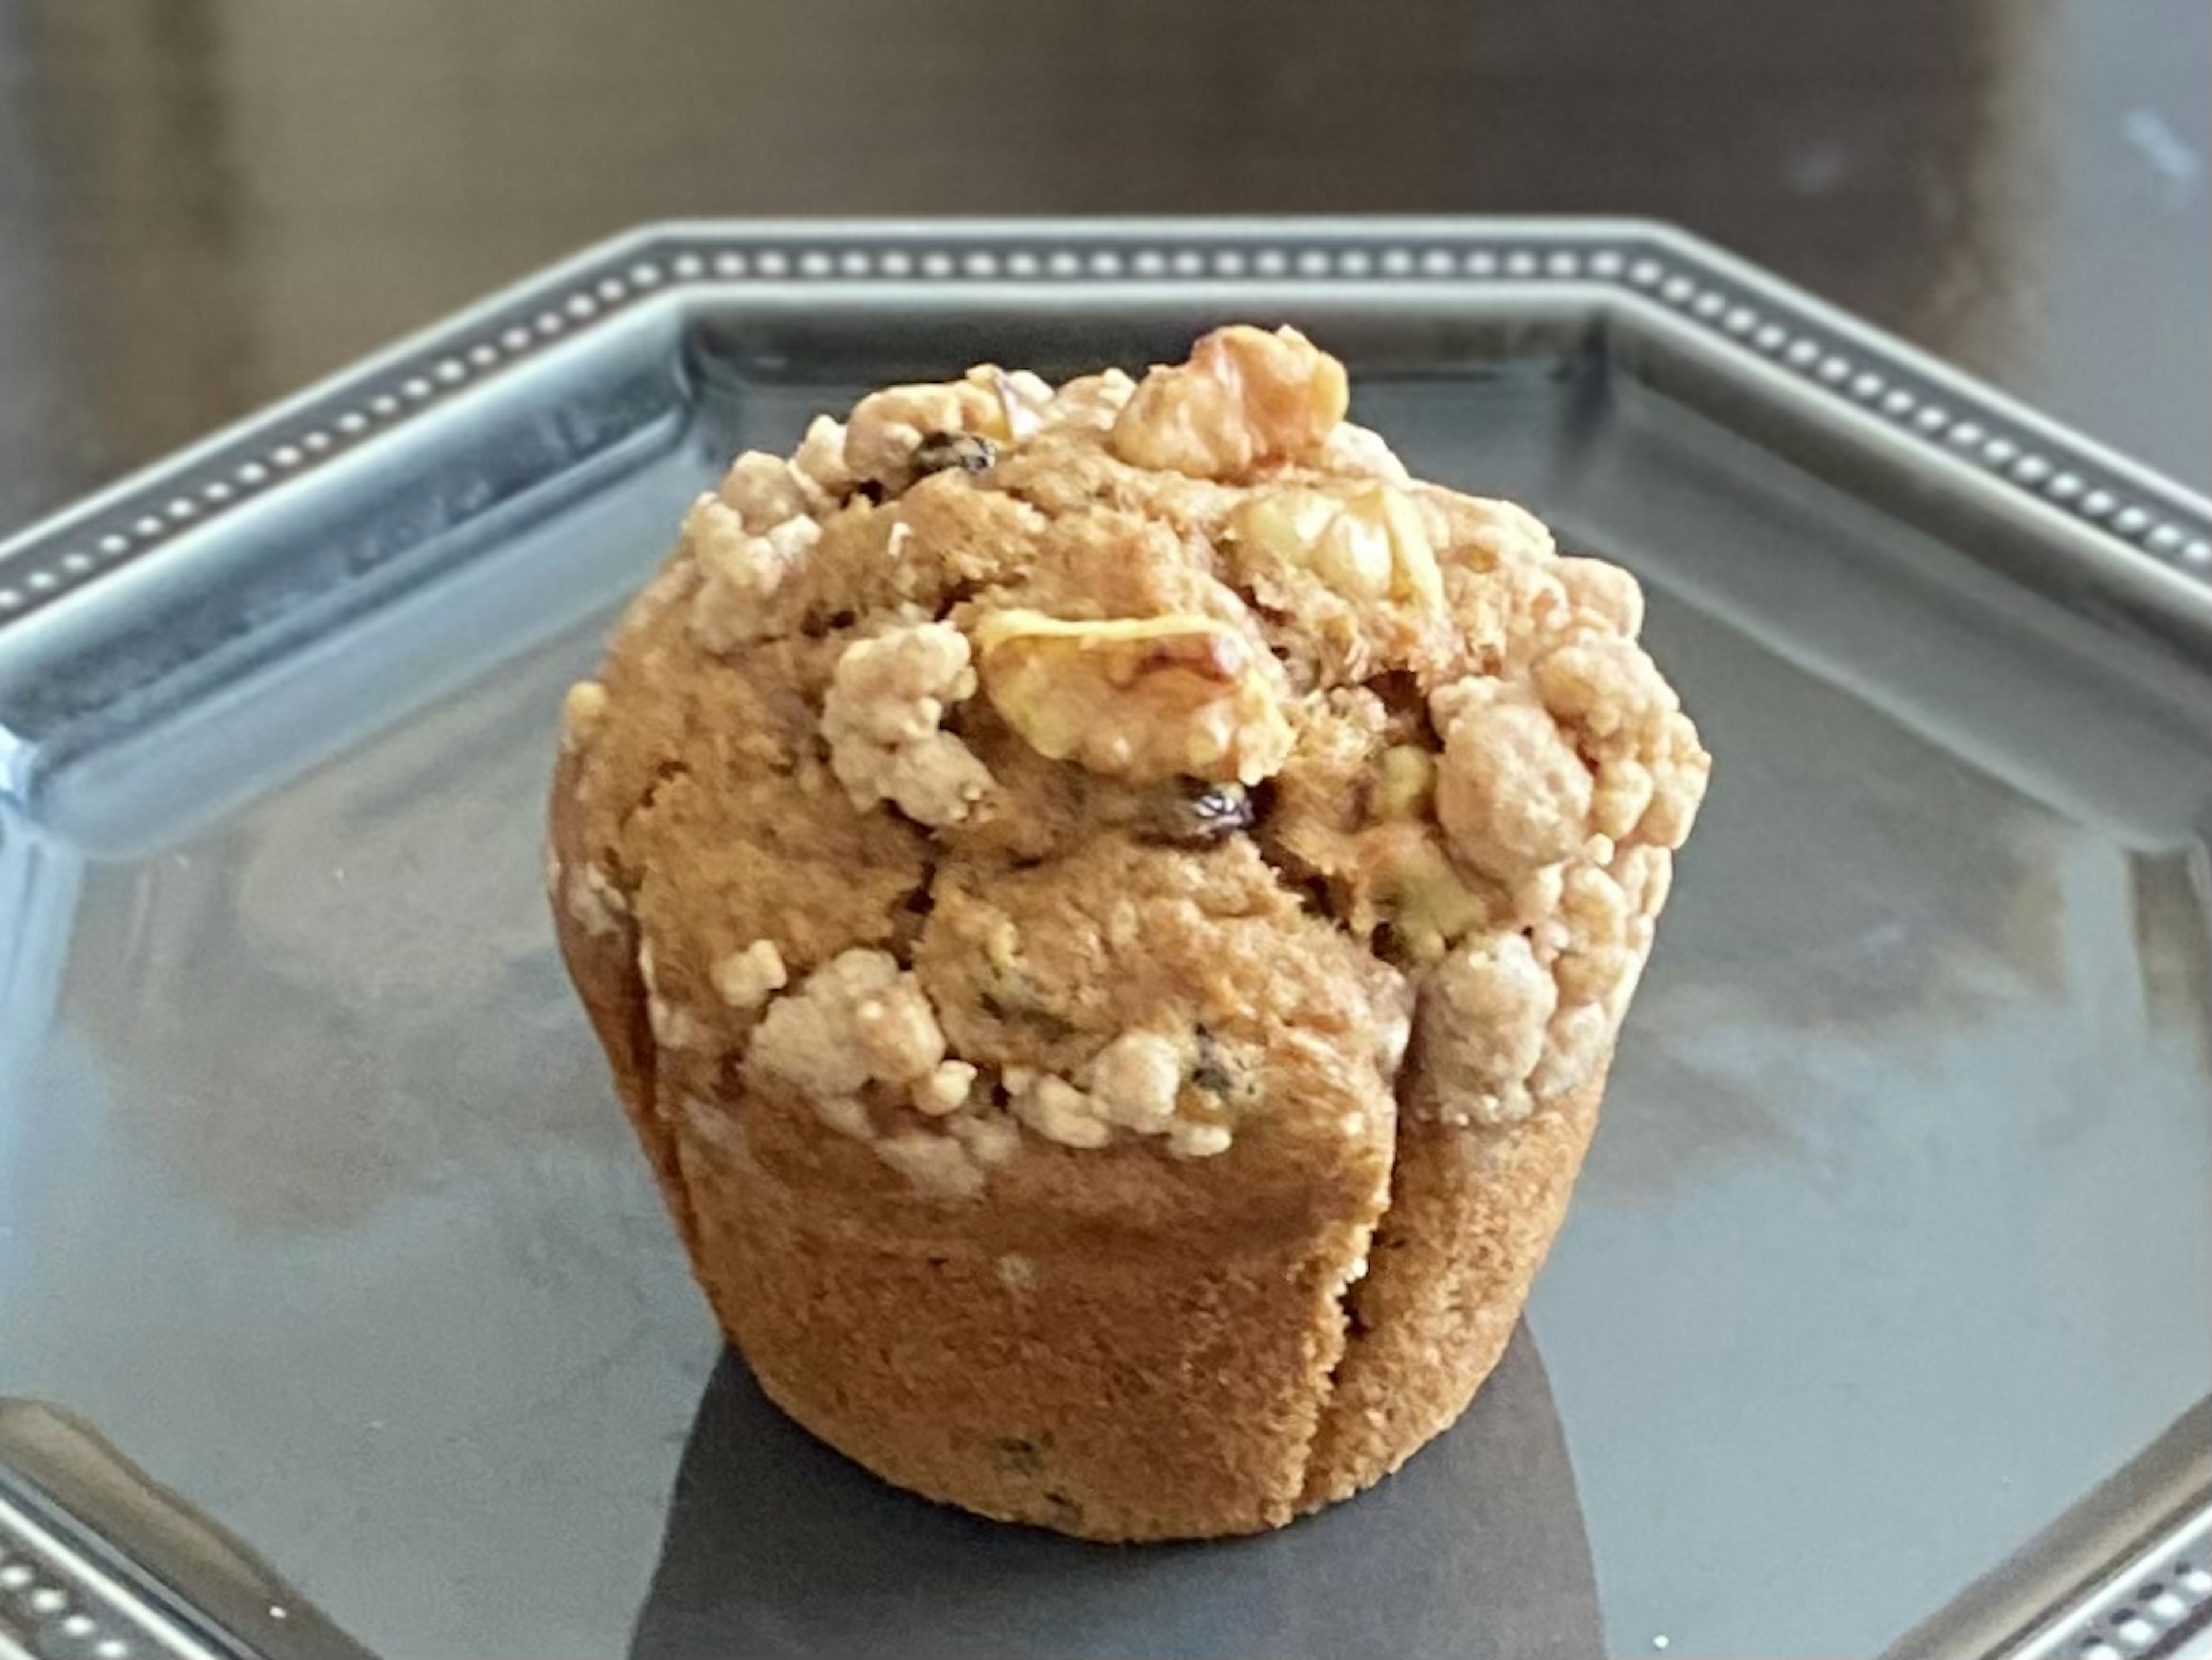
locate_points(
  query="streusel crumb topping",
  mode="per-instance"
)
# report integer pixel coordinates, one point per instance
(1059, 754)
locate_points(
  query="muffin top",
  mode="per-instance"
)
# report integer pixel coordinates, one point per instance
(1132, 778)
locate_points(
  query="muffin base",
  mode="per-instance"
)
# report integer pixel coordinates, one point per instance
(1137, 1384)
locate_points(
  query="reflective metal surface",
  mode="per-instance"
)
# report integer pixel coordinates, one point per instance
(206, 203)
(1893, 1245)
(2149, 1532)
(98, 1563)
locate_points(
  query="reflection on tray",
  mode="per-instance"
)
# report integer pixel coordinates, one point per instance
(778, 1545)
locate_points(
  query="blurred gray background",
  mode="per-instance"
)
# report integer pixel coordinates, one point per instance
(205, 204)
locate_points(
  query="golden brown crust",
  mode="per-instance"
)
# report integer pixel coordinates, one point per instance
(1472, 1212)
(1120, 1382)
(1117, 1345)
(1049, 868)
(1115, 1382)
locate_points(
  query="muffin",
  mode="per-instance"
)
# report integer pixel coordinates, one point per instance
(1109, 907)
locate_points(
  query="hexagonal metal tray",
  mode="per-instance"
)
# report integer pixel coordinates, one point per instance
(1885, 1304)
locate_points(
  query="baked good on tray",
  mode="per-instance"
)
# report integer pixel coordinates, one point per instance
(1109, 906)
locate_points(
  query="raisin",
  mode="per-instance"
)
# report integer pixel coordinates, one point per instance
(1018, 1453)
(1405, 709)
(1211, 1072)
(940, 452)
(1224, 1080)
(1015, 1001)
(1195, 815)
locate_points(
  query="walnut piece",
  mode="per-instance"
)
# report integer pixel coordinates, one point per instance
(1023, 399)
(1432, 905)
(1405, 783)
(1246, 397)
(1142, 699)
(1366, 546)
(880, 719)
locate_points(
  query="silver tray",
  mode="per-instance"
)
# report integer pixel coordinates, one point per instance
(1885, 1309)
